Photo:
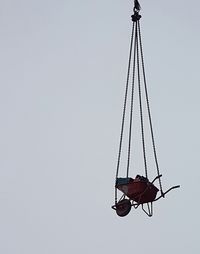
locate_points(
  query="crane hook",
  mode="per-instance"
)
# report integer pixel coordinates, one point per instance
(136, 16)
(137, 6)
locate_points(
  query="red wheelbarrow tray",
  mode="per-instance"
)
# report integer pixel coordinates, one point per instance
(139, 189)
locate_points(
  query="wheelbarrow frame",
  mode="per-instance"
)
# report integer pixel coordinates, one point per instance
(139, 199)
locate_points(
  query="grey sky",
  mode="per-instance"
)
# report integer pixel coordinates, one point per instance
(63, 70)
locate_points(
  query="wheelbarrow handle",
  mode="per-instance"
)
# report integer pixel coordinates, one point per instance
(164, 193)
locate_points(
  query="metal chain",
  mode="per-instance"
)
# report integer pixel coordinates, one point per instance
(140, 102)
(148, 107)
(138, 54)
(131, 108)
(124, 110)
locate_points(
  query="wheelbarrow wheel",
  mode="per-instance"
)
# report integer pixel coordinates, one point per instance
(123, 207)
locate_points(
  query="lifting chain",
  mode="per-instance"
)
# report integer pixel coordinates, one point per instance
(136, 50)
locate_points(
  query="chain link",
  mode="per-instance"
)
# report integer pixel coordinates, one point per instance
(124, 111)
(138, 54)
(148, 108)
(131, 108)
(140, 102)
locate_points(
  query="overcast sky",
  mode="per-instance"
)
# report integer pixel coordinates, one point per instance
(63, 70)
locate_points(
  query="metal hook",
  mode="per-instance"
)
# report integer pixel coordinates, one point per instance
(137, 6)
(136, 16)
